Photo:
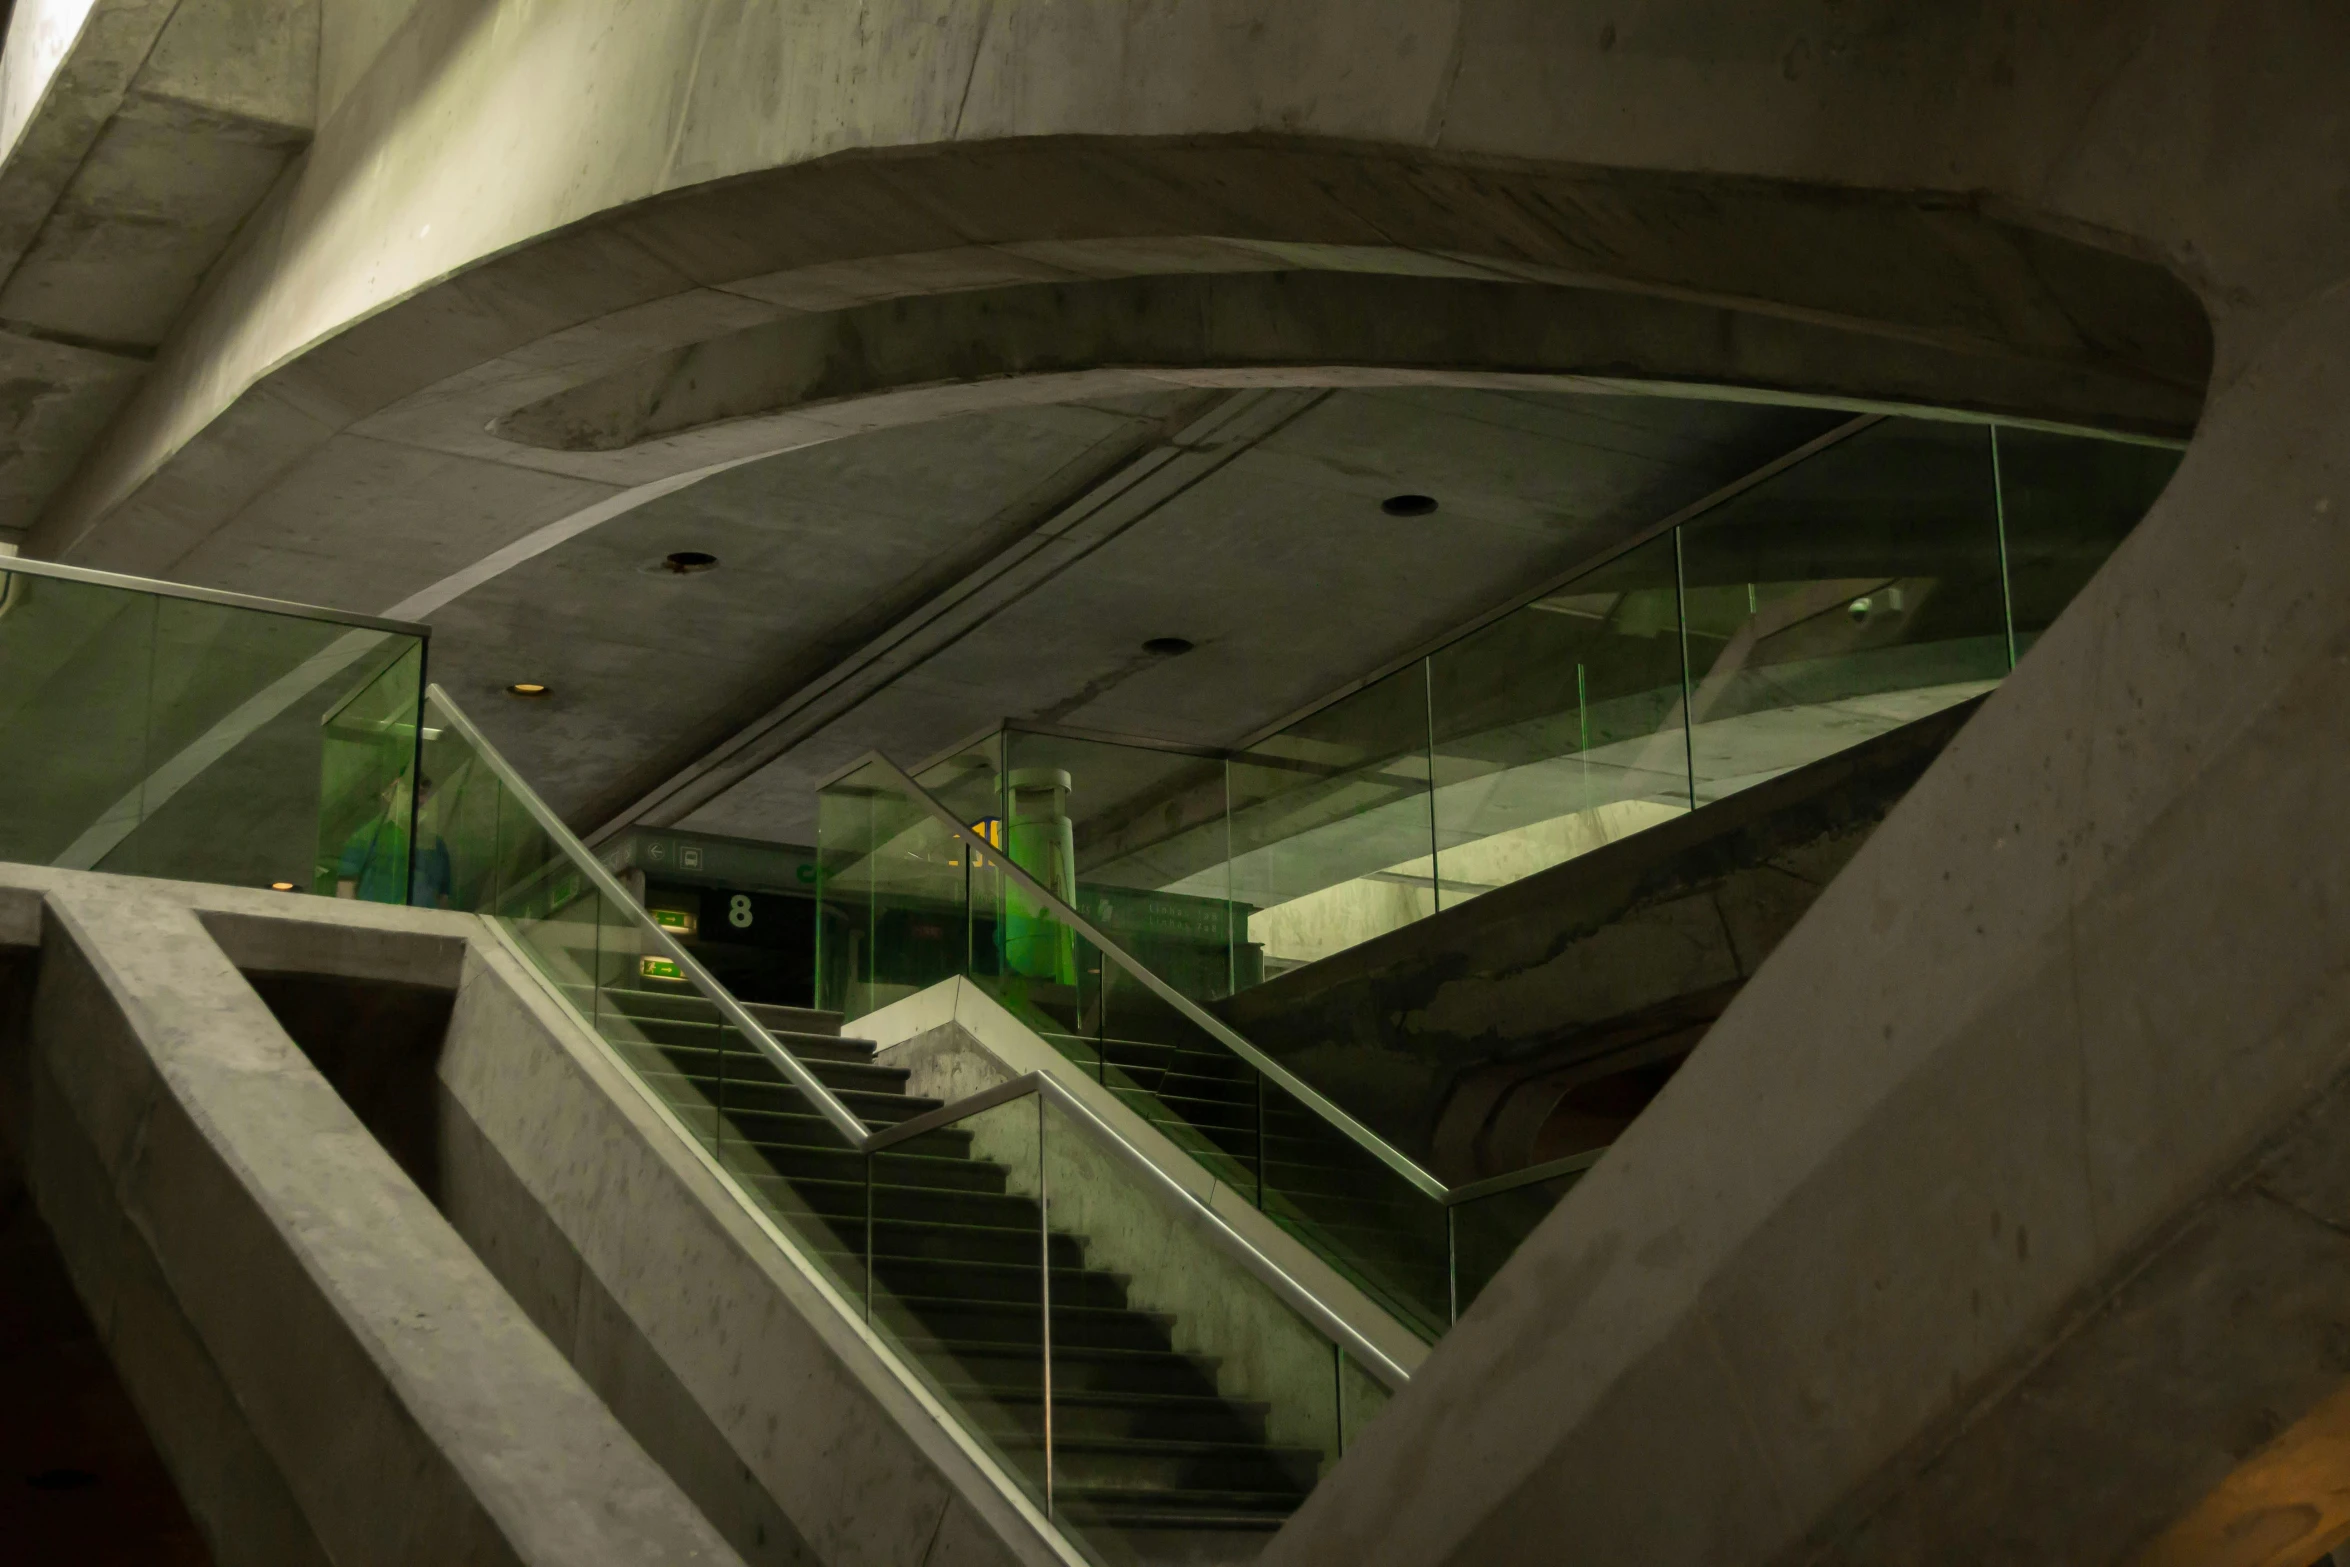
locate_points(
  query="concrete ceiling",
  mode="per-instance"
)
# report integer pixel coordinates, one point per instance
(898, 590)
(135, 139)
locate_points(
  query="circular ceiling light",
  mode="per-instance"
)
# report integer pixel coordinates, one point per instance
(685, 563)
(526, 688)
(1167, 647)
(1408, 505)
(281, 886)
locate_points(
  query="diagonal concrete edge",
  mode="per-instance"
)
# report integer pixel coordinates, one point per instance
(706, 1328)
(386, 1401)
(1960, 1237)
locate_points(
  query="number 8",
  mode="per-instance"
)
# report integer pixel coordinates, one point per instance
(738, 911)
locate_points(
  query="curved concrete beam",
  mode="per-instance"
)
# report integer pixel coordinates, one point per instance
(361, 308)
(1335, 323)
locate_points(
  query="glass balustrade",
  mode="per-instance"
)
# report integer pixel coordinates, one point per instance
(1893, 573)
(918, 896)
(1093, 1330)
(157, 730)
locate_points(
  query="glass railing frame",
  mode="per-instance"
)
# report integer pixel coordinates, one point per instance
(1401, 1163)
(868, 1142)
(601, 878)
(1445, 1196)
(154, 588)
(1230, 1240)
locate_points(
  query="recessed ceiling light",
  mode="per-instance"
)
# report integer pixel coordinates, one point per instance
(687, 562)
(1167, 647)
(1408, 505)
(526, 688)
(281, 886)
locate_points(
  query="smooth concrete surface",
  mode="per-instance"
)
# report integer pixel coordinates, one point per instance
(135, 138)
(1442, 1033)
(740, 1372)
(1997, 1219)
(328, 1372)
(955, 1040)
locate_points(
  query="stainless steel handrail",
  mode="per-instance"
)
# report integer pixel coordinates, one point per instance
(601, 877)
(12, 565)
(1362, 1136)
(1572, 1164)
(866, 1141)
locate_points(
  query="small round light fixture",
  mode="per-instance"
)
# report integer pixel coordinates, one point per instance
(1408, 505)
(529, 690)
(1167, 647)
(281, 886)
(685, 563)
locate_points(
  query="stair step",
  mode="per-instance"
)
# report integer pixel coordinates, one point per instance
(1107, 1468)
(1076, 1368)
(1015, 1323)
(1168, 1416)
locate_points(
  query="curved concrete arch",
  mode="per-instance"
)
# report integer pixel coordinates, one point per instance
(1222, 327)
(1802, 288)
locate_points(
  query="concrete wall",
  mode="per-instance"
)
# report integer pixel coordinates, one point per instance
(328, 1372)
(1999, 1218)
(726, 1356)
(1426, 1032)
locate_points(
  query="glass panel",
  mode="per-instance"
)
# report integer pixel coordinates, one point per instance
(1558, 727)
(76, 660)
(151, 734)
(369, 807)
(1357, 1213)
(1361, 1397)
(1332, 839)
(891, 890)
(1144, 838)
(1849, 595)
(1487, 1230)
(1182, 1385)
(2067, 502)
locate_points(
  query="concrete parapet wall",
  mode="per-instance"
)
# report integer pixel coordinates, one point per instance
(592, 1350)
(727, 1357)
(328, 1372)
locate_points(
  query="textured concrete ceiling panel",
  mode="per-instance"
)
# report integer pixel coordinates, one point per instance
(641, 659)
(1282, 569)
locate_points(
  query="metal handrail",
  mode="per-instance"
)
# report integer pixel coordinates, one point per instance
(1362, 1136)
(600, 876)
(1572, 1164)
(19, 565)
(864, 1140)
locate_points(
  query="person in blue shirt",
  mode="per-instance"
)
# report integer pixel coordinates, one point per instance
(375, 861)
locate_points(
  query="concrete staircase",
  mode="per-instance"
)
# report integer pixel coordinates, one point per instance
(1150, 1460)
